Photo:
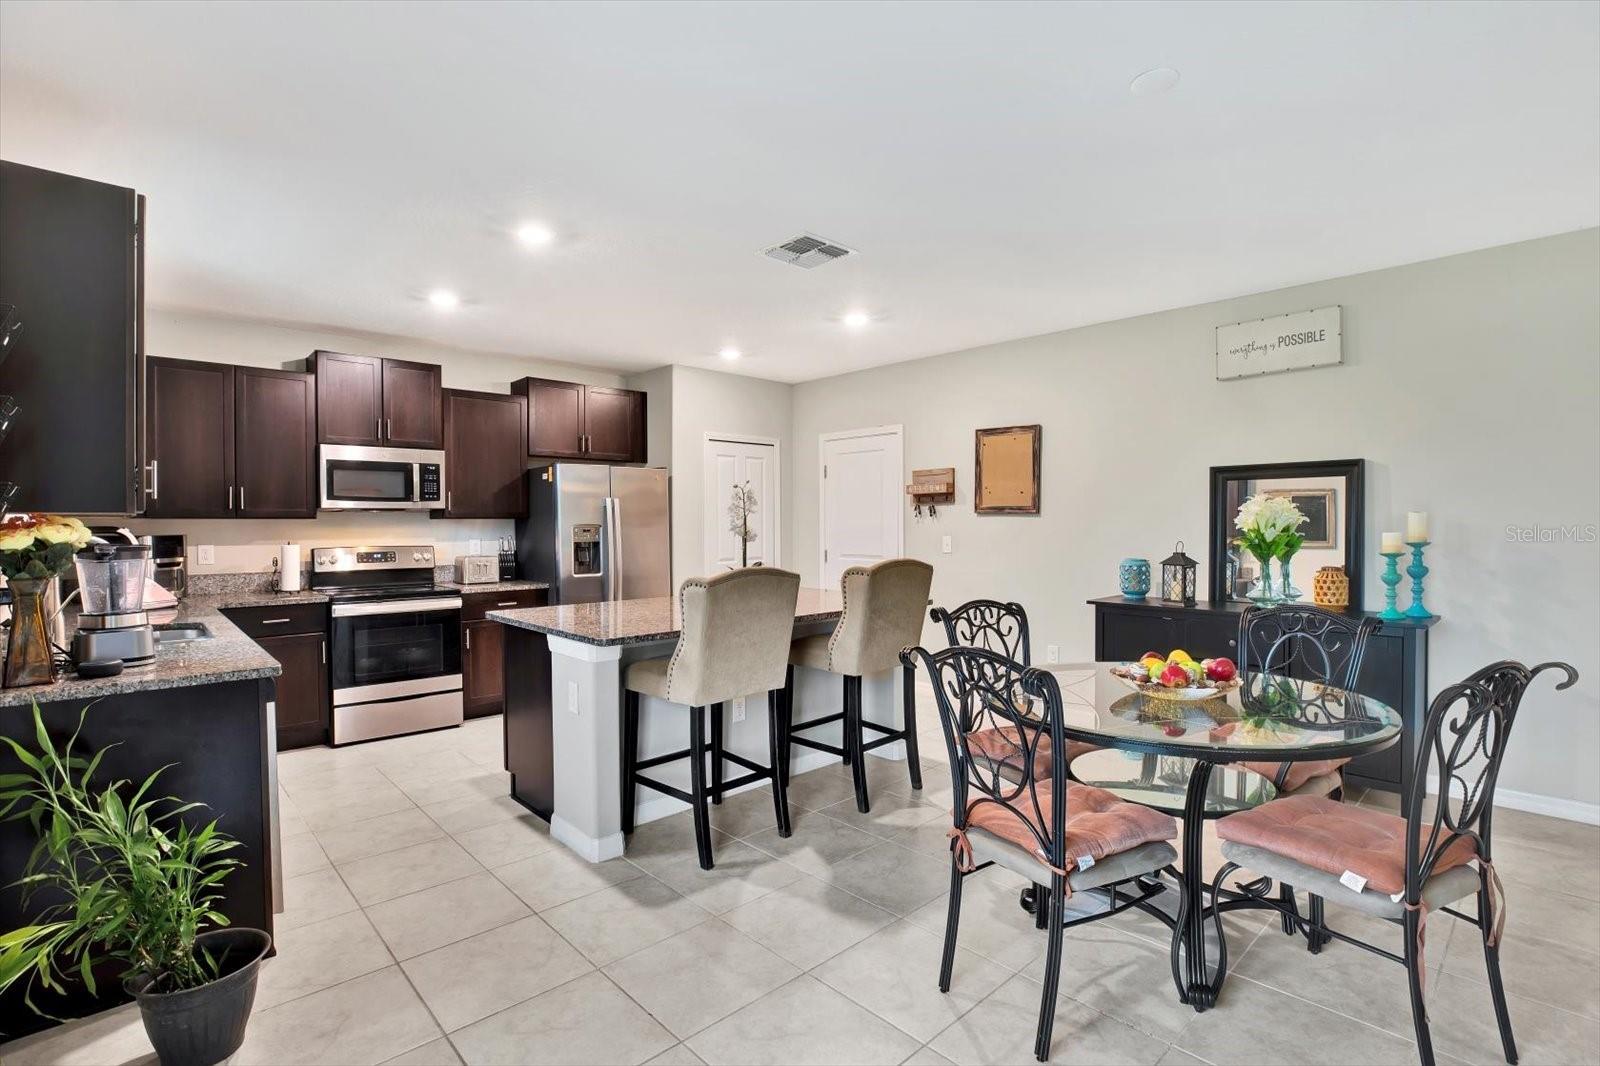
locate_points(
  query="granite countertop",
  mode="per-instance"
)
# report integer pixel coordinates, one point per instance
(228, 655)
(486, 587)
(642, 621)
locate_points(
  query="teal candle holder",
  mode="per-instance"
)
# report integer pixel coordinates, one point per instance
(1418, 570)
(1391, 587)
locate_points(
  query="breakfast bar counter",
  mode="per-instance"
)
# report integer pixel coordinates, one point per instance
(563, 710)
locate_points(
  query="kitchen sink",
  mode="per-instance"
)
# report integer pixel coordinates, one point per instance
(181, 633)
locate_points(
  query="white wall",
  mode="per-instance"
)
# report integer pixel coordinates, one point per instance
(705, 401)
(244, 545)
(1471, 385)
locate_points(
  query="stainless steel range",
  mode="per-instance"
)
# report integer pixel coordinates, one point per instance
(396, 645)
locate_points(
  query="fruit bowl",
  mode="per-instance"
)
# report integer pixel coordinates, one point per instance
(1178, 677)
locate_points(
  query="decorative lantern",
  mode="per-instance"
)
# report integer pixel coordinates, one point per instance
(1330, 587)
(1178, 577)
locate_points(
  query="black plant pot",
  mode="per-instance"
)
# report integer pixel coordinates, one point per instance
(202, 1026)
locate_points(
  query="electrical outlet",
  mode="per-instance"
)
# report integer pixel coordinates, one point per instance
(1052, 653)
(573, 700)
(206, 554)
(738, 709)
(474, 546)
(945, 544)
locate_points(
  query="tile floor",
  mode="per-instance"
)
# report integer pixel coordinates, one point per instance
(432, 920)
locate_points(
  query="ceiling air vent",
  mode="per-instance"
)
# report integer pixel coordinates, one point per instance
(807, 251)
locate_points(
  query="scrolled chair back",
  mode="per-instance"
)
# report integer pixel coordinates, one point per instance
(1463, 742)
(982, 691)
(989, 624)
(1324, 645)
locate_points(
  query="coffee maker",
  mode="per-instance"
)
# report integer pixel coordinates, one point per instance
(112, 622)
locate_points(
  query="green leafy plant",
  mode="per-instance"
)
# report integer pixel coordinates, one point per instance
(139, 882)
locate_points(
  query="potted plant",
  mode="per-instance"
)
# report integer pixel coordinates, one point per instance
(1269, 529)
(34, 550)
(139, 885)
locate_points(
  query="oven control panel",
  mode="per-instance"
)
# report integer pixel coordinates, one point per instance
(399, 557)
(428, 482)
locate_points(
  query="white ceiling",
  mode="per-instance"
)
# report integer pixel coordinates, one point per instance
(329, 164)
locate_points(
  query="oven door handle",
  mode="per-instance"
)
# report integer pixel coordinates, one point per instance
(355, 610)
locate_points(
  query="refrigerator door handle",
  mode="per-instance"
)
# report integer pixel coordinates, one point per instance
(608, 550)
(616, 547)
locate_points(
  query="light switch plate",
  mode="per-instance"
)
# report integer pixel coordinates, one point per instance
(1052, 653)
(573, 700)
(206, 554)
(945, 544)
(738, 709)
(474, 546)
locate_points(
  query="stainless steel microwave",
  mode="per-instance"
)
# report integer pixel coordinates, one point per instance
(358, 478)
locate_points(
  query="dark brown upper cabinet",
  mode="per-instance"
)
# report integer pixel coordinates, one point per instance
(362, 399)
(567, 420)
(71, 266)
(230, 441)
(275, 454)
(486, 456)
(191, 439)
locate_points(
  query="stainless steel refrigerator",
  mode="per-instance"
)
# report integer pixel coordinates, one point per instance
(597, 532)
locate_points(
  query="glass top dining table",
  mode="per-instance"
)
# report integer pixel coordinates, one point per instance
(1267, 718)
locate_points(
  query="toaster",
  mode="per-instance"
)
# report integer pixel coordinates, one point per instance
(477, 569)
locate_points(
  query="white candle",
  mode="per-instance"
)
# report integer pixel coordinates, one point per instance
(1392, 544)
(1416, 526)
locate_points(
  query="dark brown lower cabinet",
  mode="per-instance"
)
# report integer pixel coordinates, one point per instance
(483, 647)
(1394, 670)
(296, 636)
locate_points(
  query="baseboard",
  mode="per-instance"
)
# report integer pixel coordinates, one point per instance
(658, 806)
(591, 848)
(1537, 803)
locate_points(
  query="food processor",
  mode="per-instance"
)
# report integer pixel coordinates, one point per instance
(112, 622)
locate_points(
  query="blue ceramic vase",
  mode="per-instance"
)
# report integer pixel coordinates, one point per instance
(1135, 577)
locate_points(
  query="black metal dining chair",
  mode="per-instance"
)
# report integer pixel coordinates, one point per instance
(1401, 868)
(1030, 819)
(990, 624)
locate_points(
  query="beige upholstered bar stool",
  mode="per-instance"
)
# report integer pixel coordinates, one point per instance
(735, 639)
(883, 612)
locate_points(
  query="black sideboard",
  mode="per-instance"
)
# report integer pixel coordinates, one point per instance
(1395, 669)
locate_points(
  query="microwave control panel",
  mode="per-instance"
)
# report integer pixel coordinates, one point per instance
(428, 482)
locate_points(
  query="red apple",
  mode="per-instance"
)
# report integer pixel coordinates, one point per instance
(1152, 655)
(1175, 676)
(1221, 670)
(1173, 729)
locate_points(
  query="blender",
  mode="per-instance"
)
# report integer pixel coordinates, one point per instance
(112, 623)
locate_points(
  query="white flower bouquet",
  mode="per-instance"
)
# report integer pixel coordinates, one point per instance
(39, 546)
(1269, 527)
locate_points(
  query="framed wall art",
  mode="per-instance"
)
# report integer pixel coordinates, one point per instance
(1007, 477)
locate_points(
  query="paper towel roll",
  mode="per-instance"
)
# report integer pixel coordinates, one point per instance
(289, 568)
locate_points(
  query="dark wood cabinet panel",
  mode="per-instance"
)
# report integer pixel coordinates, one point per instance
(349, 397)
(486, 456)
(474, 605)
(302, 689)
(1209, 636)
(1126, 635)
(483, 668)
(275, 456)
(411, 405)
(71, 263)
(555, 417)
(191, 444)
(611, 422)
(528, 726)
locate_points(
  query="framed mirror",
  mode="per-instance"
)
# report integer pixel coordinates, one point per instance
(1328, 492)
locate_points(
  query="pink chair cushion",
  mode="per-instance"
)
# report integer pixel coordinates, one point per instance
(1098, 823)
(1334, 837)
(1299, 772)
(1001, 746)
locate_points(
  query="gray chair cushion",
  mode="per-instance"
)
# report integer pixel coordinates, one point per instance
(1441, 890)
(884, 605)
(1144, 859)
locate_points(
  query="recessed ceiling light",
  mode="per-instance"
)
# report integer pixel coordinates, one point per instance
(1153, 82)
(731, 353)
(857, 320)
(444, 299)
(535, 234)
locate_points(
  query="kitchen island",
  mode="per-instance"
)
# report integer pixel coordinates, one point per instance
(563, 717)
(203, 708)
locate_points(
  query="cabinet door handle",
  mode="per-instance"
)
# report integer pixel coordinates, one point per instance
(324, 652)
(388, 429)
(379, 432)
(275, 621)
(155, 479)
(469, 640)
(230, 497)
(449, 497)
(507, 603)
(241, 497)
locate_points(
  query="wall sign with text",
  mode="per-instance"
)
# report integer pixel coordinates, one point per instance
(1296, 341)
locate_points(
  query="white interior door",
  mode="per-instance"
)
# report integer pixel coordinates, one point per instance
(862, 500)
(739, 462)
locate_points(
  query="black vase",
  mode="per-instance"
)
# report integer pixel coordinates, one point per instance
(202, 1026)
